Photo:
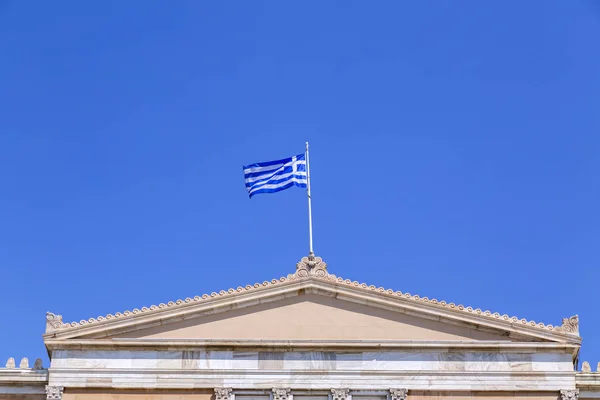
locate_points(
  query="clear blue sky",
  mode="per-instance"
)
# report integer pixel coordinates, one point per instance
(455, 153)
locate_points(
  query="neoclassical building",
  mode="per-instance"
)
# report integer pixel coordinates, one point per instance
(308, 336)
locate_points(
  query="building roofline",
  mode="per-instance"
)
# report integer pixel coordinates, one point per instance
(313, 269)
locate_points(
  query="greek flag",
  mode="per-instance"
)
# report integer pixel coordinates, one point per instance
(273, 176)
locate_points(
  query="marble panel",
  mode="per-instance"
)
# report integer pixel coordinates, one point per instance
(315, 360)
(316, 380)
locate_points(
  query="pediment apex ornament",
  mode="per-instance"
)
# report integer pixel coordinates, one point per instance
(281, 394)
(53, 322)
(339, 394)
(223, 393)
(54, 392)
(569, 394)
(571, 324)
(398, 394)
(311, 266)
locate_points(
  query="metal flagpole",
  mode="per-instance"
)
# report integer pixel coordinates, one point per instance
(310, 241)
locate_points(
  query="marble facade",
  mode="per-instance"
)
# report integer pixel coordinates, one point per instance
(307, 336)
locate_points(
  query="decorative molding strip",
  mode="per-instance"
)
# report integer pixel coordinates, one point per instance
(54, 392)
(281, 394)
(315, 268)
(398, 394)
(339, 394)
(569, 394)
(223, 393)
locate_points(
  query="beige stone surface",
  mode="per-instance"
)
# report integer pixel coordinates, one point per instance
(207, 395)
(139, 395)
(22, 397)
(313, 317)
(430, 395)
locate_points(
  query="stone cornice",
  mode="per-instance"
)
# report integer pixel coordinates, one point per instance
(589, 380)
(588, 385)
(23, 381)
(311, 273)
(306, 345)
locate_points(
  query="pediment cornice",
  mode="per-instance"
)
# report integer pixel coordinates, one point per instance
(311, 276)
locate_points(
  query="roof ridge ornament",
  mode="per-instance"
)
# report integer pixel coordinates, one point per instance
(37, 365)
(571, 324)
(53, 322)
(586, 367)
(311, 266)
(24, 364)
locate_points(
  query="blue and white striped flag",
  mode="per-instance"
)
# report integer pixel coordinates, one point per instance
(273, 176)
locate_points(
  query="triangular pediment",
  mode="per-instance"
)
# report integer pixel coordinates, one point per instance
(313, 317)
(310, 305)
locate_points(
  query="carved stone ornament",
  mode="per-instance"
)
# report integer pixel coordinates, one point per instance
(398, 394)
(281, 394)
(37, 365)
(598, 367)
(569, 394)
(53, 322)
(223, 393)
(54, 392)
(24, 363)
(585, 367)
(339, 394)
(571, 324)
(10, 363)
(311, 266)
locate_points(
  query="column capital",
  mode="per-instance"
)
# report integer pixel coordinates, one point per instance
(54, 392)
(223, 393)
(281, 394)
(398, 394)
(569, 394)
(339, 394)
